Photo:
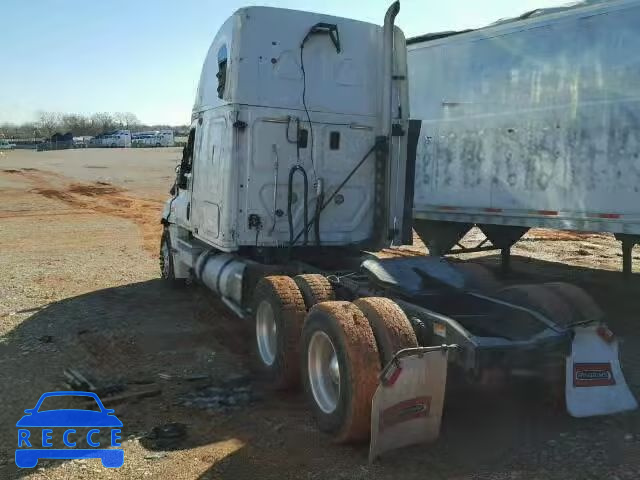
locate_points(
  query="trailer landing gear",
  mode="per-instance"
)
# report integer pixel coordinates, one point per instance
(628, 242)
(443, 238)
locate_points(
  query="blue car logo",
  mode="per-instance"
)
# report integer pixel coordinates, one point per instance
(31, 448)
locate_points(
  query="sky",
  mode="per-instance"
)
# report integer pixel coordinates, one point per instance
(145, 56)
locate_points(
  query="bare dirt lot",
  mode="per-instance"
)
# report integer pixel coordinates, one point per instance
(80, 289)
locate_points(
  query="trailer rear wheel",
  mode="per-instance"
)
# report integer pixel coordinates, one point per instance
(315, 288)
(279, 315)
(340, 366)
(391, 327)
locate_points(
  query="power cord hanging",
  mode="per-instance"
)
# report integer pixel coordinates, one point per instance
(318, 29)
(306, 111)
(334, 35)
(294, 169)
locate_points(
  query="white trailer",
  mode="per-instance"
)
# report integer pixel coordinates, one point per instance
(295, 163)
(529, 123)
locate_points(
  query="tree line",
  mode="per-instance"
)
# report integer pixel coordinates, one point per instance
(48, 123)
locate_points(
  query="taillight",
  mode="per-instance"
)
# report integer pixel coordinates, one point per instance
(605, 334)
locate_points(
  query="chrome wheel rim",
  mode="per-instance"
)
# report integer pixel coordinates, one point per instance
(266, 333)
(324, 372)
(164, 252)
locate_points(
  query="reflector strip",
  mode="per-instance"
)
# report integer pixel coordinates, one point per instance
(393, 377)
(547, 212)
(418, 407)
(493, 210)
(608, 215)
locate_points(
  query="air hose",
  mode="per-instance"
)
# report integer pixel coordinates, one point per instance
(294, 169)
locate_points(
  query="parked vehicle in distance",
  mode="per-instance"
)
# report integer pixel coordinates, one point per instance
(82, 141)
(118, 138)
(5, 145)
(156, 138)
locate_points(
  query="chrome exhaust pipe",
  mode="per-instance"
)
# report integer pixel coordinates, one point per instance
(387, 69)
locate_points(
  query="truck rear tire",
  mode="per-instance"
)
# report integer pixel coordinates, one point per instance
(391, 327)
(340, 366)
(315, 288)
(279, 311)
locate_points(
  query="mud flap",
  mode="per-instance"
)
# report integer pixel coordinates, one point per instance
(407, 406)
(595, 384)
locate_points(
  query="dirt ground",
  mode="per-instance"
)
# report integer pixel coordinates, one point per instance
(80, 289)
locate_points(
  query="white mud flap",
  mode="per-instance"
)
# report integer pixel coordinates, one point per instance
(407, 406)
(594, 381)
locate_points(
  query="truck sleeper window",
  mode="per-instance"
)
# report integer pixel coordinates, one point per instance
(222, 70)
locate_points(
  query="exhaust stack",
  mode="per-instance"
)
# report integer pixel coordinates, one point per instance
(387, 69)
(383, 134)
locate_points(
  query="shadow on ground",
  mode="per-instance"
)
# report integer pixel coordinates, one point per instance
(142, 337)
(183, 340)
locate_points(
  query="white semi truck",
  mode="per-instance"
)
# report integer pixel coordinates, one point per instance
(294, 168)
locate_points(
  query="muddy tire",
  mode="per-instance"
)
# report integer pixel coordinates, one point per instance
(478, 278)
(315, 288)
(278, 312)
(167, 271)
(391, 327)
(340, 368)
(582, 305)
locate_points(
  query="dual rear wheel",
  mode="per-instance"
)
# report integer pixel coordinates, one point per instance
(335, 349)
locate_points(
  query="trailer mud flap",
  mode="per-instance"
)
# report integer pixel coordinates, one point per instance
(595, 384)
(407, 406)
